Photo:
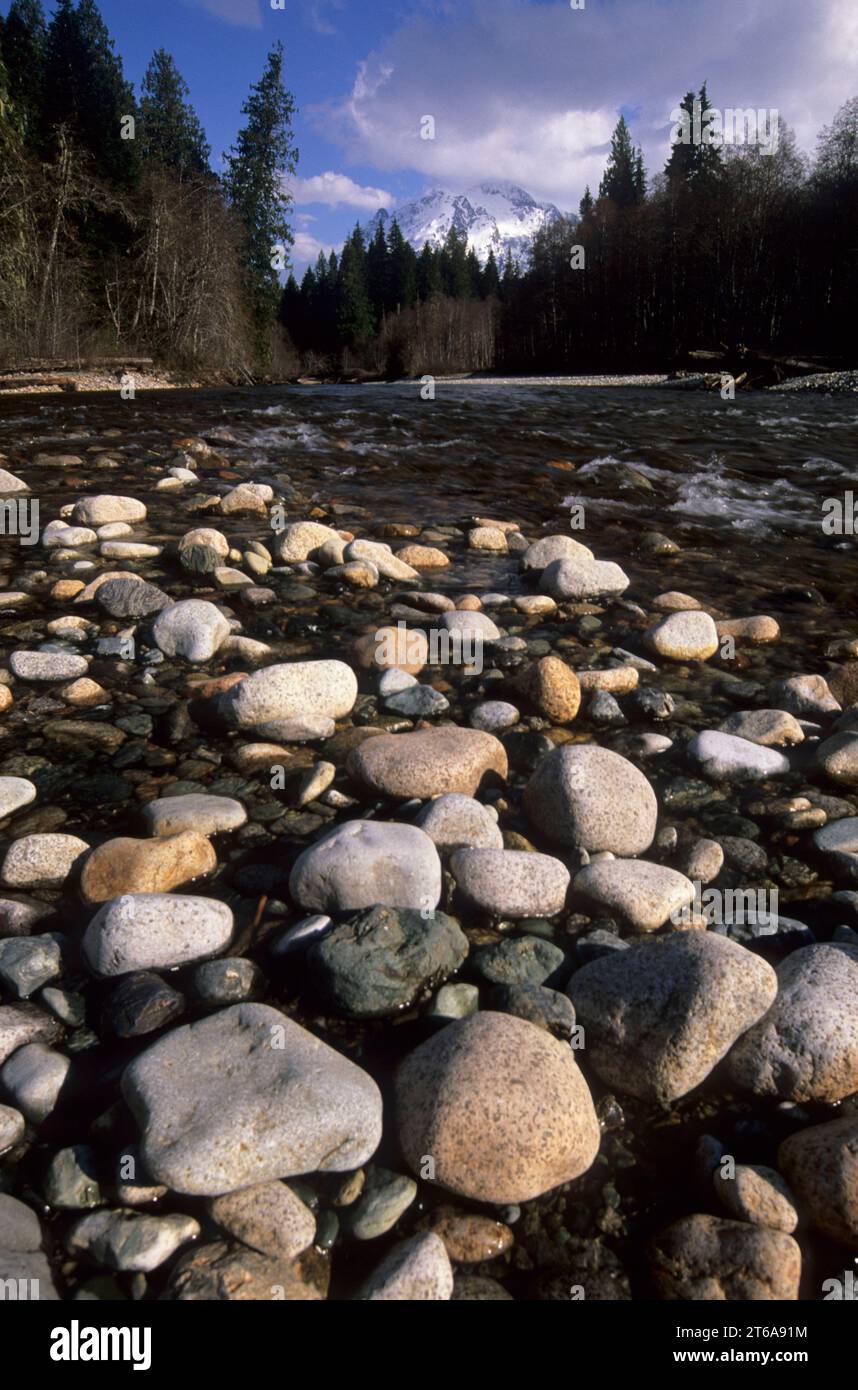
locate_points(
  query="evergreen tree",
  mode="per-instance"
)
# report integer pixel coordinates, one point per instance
(455, 279)
(694, 159)
(255, 181)
(354, 315)
(490, 285)
(586, 205)
(377, 273)
(85, 90)
(429, 281)
(170, 133)
(23, 51)
(402, 270)
(475, 275)
(623, 179)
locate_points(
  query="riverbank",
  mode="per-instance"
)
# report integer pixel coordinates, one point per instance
(154, 379)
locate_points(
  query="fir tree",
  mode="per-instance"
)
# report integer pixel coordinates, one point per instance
(694, 160)
(22, 46)
(586, 205)
(170, 133)
(402, 270)
(257, 167)
(85, 90)
(490, 276)
(429, 281)
(621, 181)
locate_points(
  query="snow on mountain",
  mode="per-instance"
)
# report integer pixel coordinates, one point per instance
(497, 216)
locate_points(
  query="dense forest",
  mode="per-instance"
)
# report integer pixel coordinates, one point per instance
(116, 236)
(730, 245)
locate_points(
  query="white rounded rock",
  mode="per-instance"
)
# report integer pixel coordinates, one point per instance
(193, 629)
(366, 864)
(155, 931)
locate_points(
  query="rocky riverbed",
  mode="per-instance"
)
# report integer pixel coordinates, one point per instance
(407, 892)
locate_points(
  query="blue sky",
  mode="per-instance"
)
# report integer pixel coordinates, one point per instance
(527, 90)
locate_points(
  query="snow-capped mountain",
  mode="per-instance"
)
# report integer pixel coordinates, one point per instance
(497, 216)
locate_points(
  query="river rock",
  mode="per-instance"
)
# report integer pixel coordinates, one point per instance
(130, 1240)
(590, 797)
(493, 716)
(771, 728)
(23, 1023)
(222, 1272)
(129, 598)
(659, 1016)
(41, 861)
(100, 510)
(33, 1078)
(21, 1257)
(301, 539)
(580, 579)
(806, 1047)
(500, 1106)
(519, 960)
(29, 962)
(362, 863)
(642, 894)
(703, 862)
(807, 697)
(12, 1129)
(429, 762)
(469, 626)
(551, 688)
(291, 691)
(821, 1166)
(725, 758)
(689, 635)
(381, 960)
(47, 666)
(759, 1195)
(837, 758)
(145, 866)
(248, 1096)
(455, 821)
(418, 1270)
(197, 811)
(269, 1217)
(193, 629)
(203, 550)
(511, 883)
(383, 558)
(383, 1199)
(247, 498)
(144, 931)
(708, 1258)
(15, 792)
(544, 552)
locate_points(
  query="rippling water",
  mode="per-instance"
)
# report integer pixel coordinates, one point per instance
(740, 485)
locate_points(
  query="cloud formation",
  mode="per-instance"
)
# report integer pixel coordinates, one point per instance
(338, 190)
(531, 91)
(305, 251)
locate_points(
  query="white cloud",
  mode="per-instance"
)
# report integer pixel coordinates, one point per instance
(338, 190)
(241, 12)
(531, 92)
(305, 251)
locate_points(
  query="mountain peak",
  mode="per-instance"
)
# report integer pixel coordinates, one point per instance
(496, 215)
